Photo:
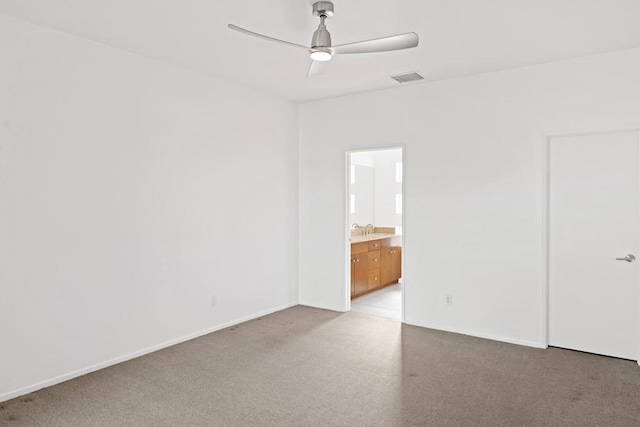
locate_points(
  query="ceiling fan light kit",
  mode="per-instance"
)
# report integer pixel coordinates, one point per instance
(321, 55)
(322, 49)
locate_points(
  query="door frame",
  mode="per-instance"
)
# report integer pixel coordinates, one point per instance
(346, 288)
(546, 190)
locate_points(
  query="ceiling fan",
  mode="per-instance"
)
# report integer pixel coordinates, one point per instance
(322, 50)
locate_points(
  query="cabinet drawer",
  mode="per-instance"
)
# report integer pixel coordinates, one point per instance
(374, 245)
(359, 248)
(374, 260)
(374, 279)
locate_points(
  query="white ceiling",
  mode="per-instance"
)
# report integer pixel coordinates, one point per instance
(457, 37)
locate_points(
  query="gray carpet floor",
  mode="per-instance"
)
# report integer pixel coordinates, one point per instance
(310, 367)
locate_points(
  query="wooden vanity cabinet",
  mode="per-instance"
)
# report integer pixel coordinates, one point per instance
(375, 264)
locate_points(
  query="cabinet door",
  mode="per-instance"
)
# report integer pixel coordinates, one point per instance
(397, 263)
(390, 261)
(386, 265)
(353, 275)
(359, 273)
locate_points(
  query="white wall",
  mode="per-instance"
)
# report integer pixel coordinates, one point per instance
(131, 192)
(473, 175)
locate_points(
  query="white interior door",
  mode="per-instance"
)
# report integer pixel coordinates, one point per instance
(593, 219)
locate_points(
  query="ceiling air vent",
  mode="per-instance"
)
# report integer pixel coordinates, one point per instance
(408, 77)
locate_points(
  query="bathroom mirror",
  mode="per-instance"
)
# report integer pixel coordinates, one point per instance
(375, 188)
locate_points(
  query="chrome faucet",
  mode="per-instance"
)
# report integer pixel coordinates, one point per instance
(369, 229)
(355, 226)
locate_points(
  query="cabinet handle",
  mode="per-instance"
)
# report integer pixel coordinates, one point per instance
(353, 260)
(375, 278)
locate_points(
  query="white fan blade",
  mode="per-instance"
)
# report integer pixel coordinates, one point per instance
(401, 41)
(316, 68)
(251, 33)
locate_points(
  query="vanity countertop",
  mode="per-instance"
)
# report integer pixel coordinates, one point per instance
(369, 237)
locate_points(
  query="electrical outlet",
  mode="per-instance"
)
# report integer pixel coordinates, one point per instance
(449, 300)
(214, 301)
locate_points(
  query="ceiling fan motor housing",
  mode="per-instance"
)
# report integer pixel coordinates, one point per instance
(321, 37)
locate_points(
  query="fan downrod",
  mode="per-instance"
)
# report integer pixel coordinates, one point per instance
(323, 9)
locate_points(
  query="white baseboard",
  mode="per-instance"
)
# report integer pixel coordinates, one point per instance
(479, 335)
(62, 378)
(322, 307)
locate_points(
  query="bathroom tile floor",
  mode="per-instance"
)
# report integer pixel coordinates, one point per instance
(386, 302)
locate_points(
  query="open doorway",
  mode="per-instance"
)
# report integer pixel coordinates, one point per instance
(374, 235)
